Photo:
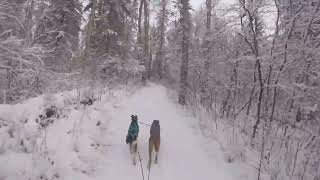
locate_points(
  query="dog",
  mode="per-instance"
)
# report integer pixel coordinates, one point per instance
(154, 141)
(132, 137)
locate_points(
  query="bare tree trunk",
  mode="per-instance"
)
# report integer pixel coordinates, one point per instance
(9, 74)
(90, 27)
(140, 38)
(259, 99)
(126, 47)
(146, 47)
(299, 145)
(316, 9)
(213, 109)
(252, 20)
(262, 151)
(250, 99)
(269, 125)
(89, 31)
(185, 54)
(207, 47)
(139, 23)
(160, 53)
(209, 9)
(28, 23)
(252, 24)
(150, 62)
(281, 67)
(4, 97)
(305, 169)
(252, 90)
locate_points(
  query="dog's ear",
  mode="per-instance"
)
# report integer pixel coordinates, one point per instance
(136, 117)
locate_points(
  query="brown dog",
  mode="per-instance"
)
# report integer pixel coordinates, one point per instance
(154, 141)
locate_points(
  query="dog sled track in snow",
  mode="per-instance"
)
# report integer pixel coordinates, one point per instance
(184, 153)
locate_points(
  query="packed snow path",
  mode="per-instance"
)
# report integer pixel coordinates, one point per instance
(184, 153)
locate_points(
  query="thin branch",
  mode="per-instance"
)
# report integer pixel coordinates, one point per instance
(310, 22)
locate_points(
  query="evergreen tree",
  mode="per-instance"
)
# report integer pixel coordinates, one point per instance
(58, 32)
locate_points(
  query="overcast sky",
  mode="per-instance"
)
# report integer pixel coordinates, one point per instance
(269, 19)
(196, 3)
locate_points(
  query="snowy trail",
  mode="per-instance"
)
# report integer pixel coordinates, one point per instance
(184, 153)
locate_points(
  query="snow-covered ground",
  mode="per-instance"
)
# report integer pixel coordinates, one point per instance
(89, 143)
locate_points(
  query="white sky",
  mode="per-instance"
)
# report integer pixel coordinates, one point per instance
(196, 3)
(269, 19)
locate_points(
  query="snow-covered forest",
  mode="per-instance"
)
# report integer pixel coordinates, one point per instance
(234, 83)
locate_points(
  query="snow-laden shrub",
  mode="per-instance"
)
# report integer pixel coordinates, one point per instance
(88, 93)
(235, 153)
(33, 167)
(51, 133)
(19, 132)
(49, 100)
(119, 70)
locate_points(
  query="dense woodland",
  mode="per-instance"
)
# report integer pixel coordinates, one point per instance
(262, 84)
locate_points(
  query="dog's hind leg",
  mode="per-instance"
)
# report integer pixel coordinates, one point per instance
(150, 152)
(156, 147)
(130, 148)
(135, 151)
(156, 159)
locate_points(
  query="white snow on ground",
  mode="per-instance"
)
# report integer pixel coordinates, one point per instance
(184, 152)
(74, 141)
(82, 149)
